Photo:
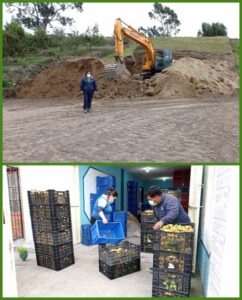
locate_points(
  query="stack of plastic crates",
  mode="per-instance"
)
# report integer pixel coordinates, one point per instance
(119, 260)
(172, 263)
(51, 225)
(132, 187)
(86, 235)
(102, 183)
(148, 220)
(121, 217)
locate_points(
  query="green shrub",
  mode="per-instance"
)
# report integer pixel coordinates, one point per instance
(7, 83)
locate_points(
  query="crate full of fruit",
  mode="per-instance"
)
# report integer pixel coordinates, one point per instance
(175, 238)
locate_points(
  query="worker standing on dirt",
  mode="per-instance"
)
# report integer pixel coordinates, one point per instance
(88, 86)
(167, 208)
(103, 206)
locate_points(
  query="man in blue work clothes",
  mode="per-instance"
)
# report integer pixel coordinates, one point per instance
(167, 208)
(88, 86)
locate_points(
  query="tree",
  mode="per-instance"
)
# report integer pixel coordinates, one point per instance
(92, 37)
(167, 18)
(38, 15)
(214, 29)
(151, 31)
(13, 39)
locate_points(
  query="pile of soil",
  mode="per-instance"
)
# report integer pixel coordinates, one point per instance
(190, 77)
(62, 81)
(186, 78)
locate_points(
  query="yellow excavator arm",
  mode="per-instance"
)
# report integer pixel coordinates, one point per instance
(120, 31)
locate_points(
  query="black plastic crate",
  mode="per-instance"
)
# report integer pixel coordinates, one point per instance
(172, 262)
(53, 224)
(146, 248)
(157, 292)
(117, 254)
(172, 282)
(49, 197)
(56, 251)
(147, 225)
(55, 263)
(147, 240)
(49, 211)
(180, 242)
(52, 238)
(148, 218)
(119, 270)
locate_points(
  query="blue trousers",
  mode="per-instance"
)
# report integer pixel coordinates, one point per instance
(87, 99)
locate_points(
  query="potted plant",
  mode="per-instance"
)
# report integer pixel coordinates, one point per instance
(23, 253)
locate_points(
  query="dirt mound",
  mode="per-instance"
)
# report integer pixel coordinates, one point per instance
(62, 80)
(186, 78)
(190, 77)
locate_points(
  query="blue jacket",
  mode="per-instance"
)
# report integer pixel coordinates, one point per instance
(102, 204)
(170, 211)
(88, 84)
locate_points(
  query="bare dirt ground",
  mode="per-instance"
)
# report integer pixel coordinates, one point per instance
(122, 130)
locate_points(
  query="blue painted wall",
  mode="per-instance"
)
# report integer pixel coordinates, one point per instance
(82, 172)
(203, 260)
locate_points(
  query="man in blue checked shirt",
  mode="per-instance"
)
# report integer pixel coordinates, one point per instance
(167, 208)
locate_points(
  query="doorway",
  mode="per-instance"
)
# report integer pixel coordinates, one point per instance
(15, 203)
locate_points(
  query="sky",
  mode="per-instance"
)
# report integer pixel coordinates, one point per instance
(191, 16)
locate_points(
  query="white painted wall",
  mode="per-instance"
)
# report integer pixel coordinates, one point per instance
(221, 231)
(194, 205)
(9, 273)
(50, 177)
(90, 187)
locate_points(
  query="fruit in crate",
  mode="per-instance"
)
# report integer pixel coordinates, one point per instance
(119, 250)
(177, 228)
(149, 212)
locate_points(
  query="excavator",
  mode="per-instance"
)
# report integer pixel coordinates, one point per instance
(156, 60)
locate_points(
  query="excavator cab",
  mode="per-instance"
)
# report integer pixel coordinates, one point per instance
(163, 60)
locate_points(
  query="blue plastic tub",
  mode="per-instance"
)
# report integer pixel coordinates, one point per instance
(109, 216)
(121, 217)
(111, 233)
(93, 199)
(86, 234)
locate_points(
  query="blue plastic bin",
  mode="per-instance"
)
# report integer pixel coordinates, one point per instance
(111, 233)
(109, 216)
(93, 199)
(121, 216)
(86, 235)
(105, 181)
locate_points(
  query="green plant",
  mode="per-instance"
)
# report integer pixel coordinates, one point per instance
(23, 253)
(7, 83)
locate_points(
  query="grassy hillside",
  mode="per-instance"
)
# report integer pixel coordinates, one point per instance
(235, 45)
(220, 45)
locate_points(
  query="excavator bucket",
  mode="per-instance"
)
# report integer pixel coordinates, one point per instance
(115, 71)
